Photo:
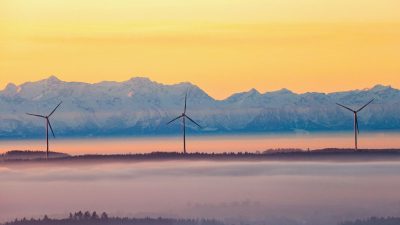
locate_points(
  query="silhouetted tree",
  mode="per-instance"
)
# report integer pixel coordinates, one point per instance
(79, 215)
(86, 216)
(94, 216)
(104, 216)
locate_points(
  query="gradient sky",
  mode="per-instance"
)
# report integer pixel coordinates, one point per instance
(223, 46)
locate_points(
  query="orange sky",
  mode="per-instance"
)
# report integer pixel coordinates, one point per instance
(224, 46)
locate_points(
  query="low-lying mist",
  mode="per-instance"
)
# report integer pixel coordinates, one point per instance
(260, 192)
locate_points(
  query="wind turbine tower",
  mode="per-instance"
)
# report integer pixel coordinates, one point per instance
(48, 125)
(184, 116)
(356, 130)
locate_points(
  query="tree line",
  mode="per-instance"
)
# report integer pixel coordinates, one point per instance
(374, 221)
(93, 218)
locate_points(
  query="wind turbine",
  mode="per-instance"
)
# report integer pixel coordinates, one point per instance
(184, 117)
(356, 130)
(48, 124)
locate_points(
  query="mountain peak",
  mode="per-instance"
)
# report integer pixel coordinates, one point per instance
(283, 91)
(140, 81)
(143, 79)
(253, 91)
(244, 95)
(185, 84)
(380, 87)
(11, 86)
(53, 78)
(11, 89)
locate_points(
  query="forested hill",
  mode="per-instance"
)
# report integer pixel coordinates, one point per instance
(375, 221)
(92, 218)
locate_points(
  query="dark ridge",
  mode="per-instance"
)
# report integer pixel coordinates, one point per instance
(374, 221)
(30, 155)
(328, 154)
(92, 218)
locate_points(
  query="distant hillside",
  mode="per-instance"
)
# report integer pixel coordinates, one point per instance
(342, 155)
(375, 221)
(30, 155)
(92, 218)
(140, 106)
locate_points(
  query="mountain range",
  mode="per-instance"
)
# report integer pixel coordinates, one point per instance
(140, 106)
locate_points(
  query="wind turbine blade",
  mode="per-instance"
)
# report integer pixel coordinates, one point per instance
(51, 128)
(184, 110)
(365, 105)
(55, 109)
(193, 121)
(344, 107)
(358, 130)
(35, 115)
(174, 119)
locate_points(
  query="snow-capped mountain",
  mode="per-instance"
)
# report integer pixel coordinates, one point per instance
(140, 106)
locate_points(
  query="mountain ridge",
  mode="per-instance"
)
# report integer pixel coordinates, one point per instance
(53, 79)
(140, 106)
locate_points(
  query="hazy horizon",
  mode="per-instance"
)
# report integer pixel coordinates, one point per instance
(207, 143)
